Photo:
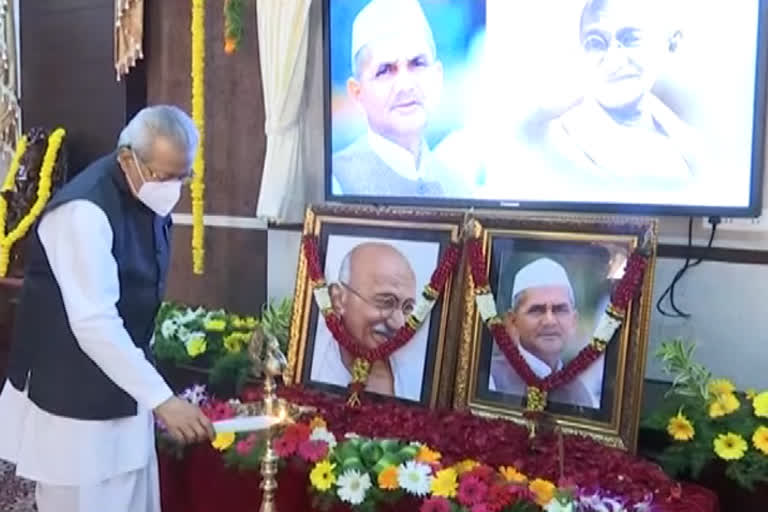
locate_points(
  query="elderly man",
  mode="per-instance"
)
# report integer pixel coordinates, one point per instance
(620, 130)
(77, 407)
(375, 293)
(397, 81)
(542, 321)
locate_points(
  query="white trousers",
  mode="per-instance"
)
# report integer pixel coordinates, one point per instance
(137, 491)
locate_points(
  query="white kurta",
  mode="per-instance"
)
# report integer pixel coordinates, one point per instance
(60, 451)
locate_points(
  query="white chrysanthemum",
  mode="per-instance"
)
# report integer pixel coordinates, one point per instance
(415, 477)
(169, 327)
(352, 486)
(188, 316)
(556, 506)
(323, 298)
(423, 308)
(606, 328)
(323, 434)
(351, 435)
(486, 306)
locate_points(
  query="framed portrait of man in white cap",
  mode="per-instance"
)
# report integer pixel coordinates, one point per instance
(552, 285)
(368, 327)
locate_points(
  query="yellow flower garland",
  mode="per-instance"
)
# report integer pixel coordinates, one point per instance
(197, 187)
(43, 194)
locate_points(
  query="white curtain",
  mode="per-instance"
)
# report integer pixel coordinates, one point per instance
(283, 27)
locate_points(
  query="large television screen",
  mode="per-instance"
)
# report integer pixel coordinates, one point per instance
(652, 106)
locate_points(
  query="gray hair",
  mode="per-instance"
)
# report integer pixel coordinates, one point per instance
(160, 121)
(518, 298)
(345, 270)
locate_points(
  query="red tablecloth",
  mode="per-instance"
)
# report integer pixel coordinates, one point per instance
(200, 482)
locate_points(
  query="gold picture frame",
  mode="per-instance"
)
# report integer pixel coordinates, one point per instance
(610, 410)
(421, 236)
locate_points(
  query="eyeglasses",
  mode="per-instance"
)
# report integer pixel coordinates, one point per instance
(156, 176)
(386, 304)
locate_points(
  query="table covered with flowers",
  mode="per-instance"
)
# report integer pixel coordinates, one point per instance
(388, 456)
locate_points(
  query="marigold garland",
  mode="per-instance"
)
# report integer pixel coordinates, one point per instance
(197, 188)
(365, 357)
(233, 25)
(539, 388)
(43, 194)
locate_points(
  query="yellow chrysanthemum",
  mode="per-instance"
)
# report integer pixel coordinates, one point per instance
(760, 439)
(321, 476)
(445, 483)
(317, 422)
(512, 475)
(730, 446)
(215, 325)
(680, 428)
(543, 491)
(466, 466)
(427, 456)
(719, 387)
(388, 479)
(232, 343)
(760, 403)
(196, 346)
(723, 405)
(223, 440)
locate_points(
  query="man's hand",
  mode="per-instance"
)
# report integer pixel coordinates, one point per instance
(184, 421)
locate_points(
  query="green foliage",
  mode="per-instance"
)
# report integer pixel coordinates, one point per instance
(233, 15)
(230, 373)
(276, 320)
(691, 397)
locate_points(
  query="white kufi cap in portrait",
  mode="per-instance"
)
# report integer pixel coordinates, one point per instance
(541, 272)
(385, 19)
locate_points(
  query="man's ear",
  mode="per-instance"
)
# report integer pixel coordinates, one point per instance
(353, 89)
(337, 298)
(510, 317)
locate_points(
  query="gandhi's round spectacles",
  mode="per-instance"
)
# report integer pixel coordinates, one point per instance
(386, 304)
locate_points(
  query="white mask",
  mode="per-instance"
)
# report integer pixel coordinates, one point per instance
(159, 196)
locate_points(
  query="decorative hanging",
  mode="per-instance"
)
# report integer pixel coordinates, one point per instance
(197, 187)
(129, 35)
(44, 186)
(233, 25)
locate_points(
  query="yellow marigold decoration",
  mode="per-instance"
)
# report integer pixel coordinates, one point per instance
(445, 483)
(223, 440)
(723, 405)
(543, 491)
(387, 479)
(465, 466)
(321, 477)
(233, 343)
(512, 475)
(197, 188)
(317, 422)
(680, 428)
(215, 325)
(730, 446)
(760, 439)
(427, 456)
(43, 194)
(718, 387)
(760, 403)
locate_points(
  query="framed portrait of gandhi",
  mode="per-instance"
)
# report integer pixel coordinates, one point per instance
(369, 319)
(556, 321)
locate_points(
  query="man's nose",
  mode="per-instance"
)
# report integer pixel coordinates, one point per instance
(396, 320)
(404, 78)
(549, 317)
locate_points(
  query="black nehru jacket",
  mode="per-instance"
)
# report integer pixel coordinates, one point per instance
(45, 356)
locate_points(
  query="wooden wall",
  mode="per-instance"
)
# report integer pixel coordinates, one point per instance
(236, 258)
(67, 76)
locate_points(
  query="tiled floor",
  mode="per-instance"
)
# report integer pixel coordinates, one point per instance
(16, 495)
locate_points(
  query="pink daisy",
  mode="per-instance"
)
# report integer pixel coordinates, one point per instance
(436, 504)
(472, 491)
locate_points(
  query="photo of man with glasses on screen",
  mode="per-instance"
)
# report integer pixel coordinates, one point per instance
(375, 292)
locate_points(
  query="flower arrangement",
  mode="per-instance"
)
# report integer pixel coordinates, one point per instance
(233, 25)
(215, 339)
(365, 472)
(708, 421)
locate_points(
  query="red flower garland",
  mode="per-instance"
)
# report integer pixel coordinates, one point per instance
(620, 299)
(335, 324)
